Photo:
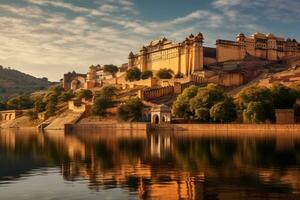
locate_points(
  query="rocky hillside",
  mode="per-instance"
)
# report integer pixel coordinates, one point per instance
(13, 82)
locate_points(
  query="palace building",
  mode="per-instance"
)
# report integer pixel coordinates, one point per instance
(269, 47)
(185, 57)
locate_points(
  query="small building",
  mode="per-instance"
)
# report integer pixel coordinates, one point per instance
(285, 116)
(160, 114)
(8, 115)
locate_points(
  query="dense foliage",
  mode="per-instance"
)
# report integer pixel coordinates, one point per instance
(131, 110)
(83, 93)
(112, 69)
(146, 74)
(205, 104)
(179, 75)
(165, 73)
(133, 74)
(104, 100)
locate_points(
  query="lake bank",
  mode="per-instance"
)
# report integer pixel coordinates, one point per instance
(191, 128)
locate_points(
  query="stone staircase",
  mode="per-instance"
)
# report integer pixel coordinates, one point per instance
(59, 122)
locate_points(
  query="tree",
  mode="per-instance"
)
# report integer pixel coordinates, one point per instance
(101, 105)
(165, 73)
(32, 115)
(112, 69)
(146, 75)
(66, 96)
(39, 106)
(207, 97)
(179, 75)
(108, 91)
(283, 97)
(202, 114)
(20, 102)
(255, 112)
(133, 74)
(224, 111)
(254, 97)
(2, 106)
(181, 106)
(131, 110)
(254, 93)
(83, 93)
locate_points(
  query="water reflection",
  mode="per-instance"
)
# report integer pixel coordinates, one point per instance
(164, 166)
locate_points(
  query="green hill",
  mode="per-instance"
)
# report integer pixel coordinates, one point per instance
(13, 82)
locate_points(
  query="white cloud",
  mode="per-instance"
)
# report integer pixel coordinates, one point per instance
(48, 42)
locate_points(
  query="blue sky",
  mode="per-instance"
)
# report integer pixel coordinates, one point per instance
(51, 37)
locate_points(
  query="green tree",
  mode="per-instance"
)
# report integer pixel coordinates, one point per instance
(39, 106)
(108, 91)
(101, 105)
(255, 112)
(112, 69)
(202, 114)
(146, 74)
(165, 73)
(51, 107)
(179, 75)
(32, 115)
(254, 97)
(181, 106)
(20, 102)
(283, 97)
(254, 93)
(207, 97)
(133, 74)
(131, 110)
(224, 111)
(66, 96)
(83, 93)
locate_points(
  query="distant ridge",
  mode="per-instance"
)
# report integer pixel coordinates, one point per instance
(14, 82)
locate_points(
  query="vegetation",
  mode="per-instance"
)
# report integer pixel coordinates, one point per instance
(20, 102)
(179, 75)
(131, 111)
(104, 100)
(83, 93)
(112, 69)
(205, 104)
(66, 96)
(14, 83)
(146, 75)
(165, 73)
(133, 74)
(101, 105)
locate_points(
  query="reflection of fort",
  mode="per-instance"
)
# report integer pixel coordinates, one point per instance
(168, 167)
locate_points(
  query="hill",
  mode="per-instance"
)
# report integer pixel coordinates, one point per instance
(13, 82)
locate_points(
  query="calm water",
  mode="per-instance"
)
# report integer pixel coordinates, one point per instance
(125, 166)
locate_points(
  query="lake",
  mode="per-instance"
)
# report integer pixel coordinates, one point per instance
(108, 165)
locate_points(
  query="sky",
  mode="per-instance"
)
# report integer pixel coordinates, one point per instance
(47, 38)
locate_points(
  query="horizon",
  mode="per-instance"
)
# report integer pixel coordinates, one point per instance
(51, 37)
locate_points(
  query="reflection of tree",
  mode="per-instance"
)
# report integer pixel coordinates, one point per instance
(183, 167)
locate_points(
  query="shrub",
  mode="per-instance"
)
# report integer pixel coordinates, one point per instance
(100, 106)
(133, 74)
(112, 69)
(179, 75)
(165, 73)
(83, 93)
(131, 111)
(146, 75)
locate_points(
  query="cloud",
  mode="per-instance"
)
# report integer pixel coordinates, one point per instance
(55, 37)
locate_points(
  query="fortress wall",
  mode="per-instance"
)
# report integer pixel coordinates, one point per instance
(151, 93)
(231, 79)
(228, 52)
